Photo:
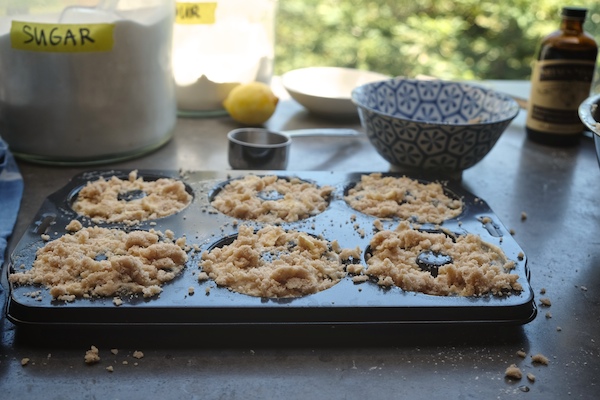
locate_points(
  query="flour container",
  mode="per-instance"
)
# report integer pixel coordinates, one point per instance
(218, 45)
(88, 81)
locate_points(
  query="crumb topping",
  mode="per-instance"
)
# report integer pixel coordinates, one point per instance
(402, 197)
(473, 267)
(74, 226)
(271, 199)
(97, 261)
(274, 262)
(131, 200)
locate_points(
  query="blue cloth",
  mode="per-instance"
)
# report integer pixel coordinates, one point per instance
(11, 192)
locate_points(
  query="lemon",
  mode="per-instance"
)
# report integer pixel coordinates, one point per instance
(251, 103)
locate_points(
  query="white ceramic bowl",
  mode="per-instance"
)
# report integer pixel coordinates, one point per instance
(589, 113)
(433, 125)
(327, 91)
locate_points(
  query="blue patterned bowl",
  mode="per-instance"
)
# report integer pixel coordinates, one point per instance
(432, 125)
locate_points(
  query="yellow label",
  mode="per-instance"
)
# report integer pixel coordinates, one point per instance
(61, 38)
(195, 13)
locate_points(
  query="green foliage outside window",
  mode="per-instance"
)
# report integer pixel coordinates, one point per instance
(449, 39)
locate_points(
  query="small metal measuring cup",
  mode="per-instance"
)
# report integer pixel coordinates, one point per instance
(262, 149)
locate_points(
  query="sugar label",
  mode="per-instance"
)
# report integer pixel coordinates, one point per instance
(62, 38)
(195, 13)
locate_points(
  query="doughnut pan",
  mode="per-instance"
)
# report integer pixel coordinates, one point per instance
(346, 303)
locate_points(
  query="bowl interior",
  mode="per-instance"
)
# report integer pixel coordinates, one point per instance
(435, 101)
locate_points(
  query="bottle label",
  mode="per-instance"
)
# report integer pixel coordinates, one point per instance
(558, 87)
(195, 13)
(61, 38)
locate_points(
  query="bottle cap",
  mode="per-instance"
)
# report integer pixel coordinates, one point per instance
(574, 12)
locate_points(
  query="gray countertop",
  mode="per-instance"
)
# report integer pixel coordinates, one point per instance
(558, 188)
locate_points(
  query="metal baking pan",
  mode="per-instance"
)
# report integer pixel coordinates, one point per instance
(344, 303)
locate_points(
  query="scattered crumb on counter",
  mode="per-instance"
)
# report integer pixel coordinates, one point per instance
(543, 291)
(45, 237)
(138, 354)
(114, 351)
(513, 372)
(548, 315)
(191, 290)
(117, 301)
(521, 354)
(92, 355)
(512, 232)
(531, 377)
(539, 359)
(545, 301)
(583, 288)
(110, 368)
(523, 216)
(558, 329)
(521, 255)
(25, 361)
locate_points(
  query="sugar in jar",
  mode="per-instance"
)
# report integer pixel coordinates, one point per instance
(86, 84)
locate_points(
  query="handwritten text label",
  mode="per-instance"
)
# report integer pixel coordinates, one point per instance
(195, 13)
(61, 38)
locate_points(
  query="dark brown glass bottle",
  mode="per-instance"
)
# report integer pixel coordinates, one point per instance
(560, 81)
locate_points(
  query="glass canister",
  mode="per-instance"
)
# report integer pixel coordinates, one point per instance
(86, 81)
(218, 45)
